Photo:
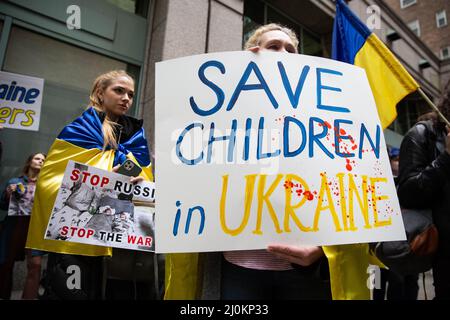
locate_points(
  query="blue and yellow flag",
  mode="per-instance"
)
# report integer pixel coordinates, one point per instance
(354, 43)
(80, 141)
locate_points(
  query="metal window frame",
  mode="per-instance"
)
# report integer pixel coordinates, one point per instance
(448, 53)
(403, 6)
(417, 23)
(438, 18)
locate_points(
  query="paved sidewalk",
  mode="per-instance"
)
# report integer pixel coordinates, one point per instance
(20, 273)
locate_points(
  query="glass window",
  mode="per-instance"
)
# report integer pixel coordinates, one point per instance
(139, 7)
(415, 27)
(277, 17)
(257, 13)
(408, 110)
(68, 72)
(310, 44)
(407, 3)
(253, 18)
(441, 19)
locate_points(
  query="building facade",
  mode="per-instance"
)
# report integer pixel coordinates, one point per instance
(429, 20)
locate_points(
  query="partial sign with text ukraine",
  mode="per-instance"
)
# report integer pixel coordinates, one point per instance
(20, 101)
(255, 149)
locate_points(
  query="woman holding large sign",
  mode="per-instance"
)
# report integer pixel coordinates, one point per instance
(282, 271)
(103, 137)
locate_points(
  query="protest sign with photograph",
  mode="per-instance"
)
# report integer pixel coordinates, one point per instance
(20, 101)
(21, 200)
(269, 148)
(97, 207)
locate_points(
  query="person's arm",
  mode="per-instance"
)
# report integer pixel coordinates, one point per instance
(301, 255)
(421, 182)
(6, 194)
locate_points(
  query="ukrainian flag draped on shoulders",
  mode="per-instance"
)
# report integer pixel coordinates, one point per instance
(80, 141)
(354, 43)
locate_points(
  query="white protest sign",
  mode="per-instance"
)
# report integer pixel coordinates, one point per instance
(94, 206)
(20, 101)
(255, 149)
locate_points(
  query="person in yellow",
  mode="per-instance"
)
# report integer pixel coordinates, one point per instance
(103, 137)
(281, 271)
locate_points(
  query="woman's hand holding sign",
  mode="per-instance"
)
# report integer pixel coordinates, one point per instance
(302, 255)
(133, 180)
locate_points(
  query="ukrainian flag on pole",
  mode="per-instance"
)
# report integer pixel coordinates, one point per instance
(354, 43)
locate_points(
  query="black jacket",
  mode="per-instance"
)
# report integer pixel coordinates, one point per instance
(126, 128)
(424, 176)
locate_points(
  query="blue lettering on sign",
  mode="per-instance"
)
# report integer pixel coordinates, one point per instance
(338, 138)
(293, 97)
(287, 153)
(12, 92)
(321, 87)
(180, 140)
(230, 138)
(242, 85)
(248, 128)
(375, 146)
(259, 153)
(176, 223)
(202, 219)
(315, 138)
(219, 92)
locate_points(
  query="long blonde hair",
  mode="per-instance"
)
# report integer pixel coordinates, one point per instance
(253, 41)
(100, 84)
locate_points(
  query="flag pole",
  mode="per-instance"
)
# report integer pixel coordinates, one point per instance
(433, 106)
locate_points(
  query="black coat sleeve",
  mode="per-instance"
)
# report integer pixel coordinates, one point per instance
(421, 179)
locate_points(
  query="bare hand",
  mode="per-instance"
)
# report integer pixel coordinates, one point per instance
(137, 179)
(116, 168)
(10, 189)
(302, 255)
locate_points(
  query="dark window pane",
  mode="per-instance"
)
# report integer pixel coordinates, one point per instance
(408, 110)
(139, 7)
(276, 17)
(253, 18)
(311, 44)
(254, 9)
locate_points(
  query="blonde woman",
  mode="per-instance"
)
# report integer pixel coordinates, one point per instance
(103, 137)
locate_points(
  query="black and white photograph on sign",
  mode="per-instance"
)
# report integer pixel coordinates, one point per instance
(21, 200)
(96, 207)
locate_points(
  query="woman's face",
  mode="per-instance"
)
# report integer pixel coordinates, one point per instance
(118, 97)
(37, 162)
(276, 41)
